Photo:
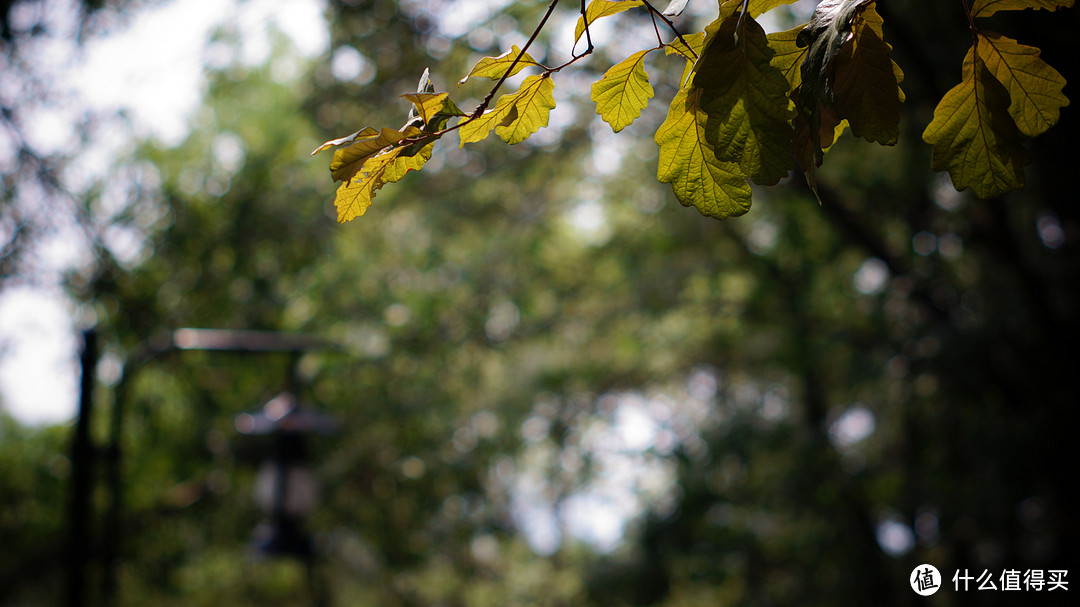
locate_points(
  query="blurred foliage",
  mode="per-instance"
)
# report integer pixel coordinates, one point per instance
(500, 311)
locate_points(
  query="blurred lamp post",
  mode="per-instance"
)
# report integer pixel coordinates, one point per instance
(285, 488)
(292, 493)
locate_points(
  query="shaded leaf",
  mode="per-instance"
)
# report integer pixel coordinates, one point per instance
(867, 82)
(623, 91)
(1035, 88)
(688, 162)
(515, 116)
(828, 30)
(974, 137)
(603, 8)
(985, 8)
(809, 147)
(746, 101)
(495, 67)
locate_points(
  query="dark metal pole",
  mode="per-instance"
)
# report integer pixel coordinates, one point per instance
(221, 340)
(82, 466)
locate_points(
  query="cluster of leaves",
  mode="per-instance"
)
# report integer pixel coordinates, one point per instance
(750, 104)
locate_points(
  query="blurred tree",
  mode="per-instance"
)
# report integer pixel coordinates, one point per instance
(809, 401)
(39, 199)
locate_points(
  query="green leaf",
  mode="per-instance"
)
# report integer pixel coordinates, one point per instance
(515, 116)
(602, 8)
(746, 100)
(688, 162)
(347, 161)
(867, 82)
(495, 67)
(1035, 88)
(974, 137)
(985, 8)
(623, 91)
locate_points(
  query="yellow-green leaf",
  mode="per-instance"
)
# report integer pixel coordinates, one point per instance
(495, 67)
(754, 8)
(364, 133)
(515, 116)
(787, 55)
(435, 109)
(688, 162)
(602, 8)
(354, 196)
(1035, 88)
(974, 137)
(532, 106)
(347, 161)
(985, 8)
(623, 91)
(746, 101)
(690, 48)
(866, 82)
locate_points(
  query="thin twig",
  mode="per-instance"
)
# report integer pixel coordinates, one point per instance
(491, 95)
(670, 24)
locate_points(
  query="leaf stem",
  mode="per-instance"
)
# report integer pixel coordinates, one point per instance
(971, 23)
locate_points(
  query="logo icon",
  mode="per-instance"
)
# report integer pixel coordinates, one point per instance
(925, 580)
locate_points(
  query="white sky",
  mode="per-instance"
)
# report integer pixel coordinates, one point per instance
(153, 69)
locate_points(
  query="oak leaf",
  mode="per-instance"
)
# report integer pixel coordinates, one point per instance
(495, 67)
(687, 161)
(1035, 88)
(746, 100)
(974, 137)
(867, 82)
(602, 8)
(985, 8)
(348, 160)
(623, 92)
(515, 116)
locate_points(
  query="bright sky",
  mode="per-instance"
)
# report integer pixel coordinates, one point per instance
(154, 69)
